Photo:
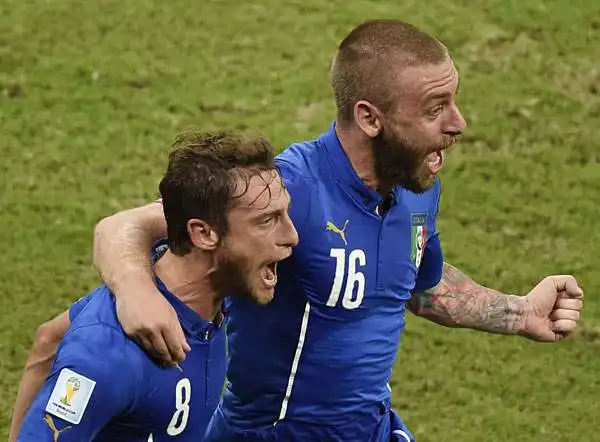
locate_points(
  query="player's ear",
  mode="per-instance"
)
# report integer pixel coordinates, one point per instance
(202, 234)
(368, 118)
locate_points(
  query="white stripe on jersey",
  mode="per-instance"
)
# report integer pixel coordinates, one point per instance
(402, 434)
(288, 391)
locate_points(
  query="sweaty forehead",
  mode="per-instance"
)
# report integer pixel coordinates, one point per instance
(264, 191)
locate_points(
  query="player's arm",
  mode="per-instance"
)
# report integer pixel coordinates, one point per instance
(446, 296)
(121, 245)
(84, 391)
(458, 301)
(549, 312)
(39, 363)
(37, 367)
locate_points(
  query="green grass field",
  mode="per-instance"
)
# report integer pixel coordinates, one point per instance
(93, 93)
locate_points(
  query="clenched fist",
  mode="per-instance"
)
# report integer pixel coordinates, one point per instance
(553, 309)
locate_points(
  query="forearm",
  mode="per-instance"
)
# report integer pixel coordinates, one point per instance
(33, 378)
(37, 368)
(458, 301)
(122, 244)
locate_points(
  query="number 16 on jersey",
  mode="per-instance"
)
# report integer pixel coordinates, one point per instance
(353, 277)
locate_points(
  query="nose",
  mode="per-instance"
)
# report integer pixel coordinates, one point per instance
(289, 235)
(456, 124)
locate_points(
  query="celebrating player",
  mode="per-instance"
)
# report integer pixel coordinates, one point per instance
(228, 227)
(365, 197)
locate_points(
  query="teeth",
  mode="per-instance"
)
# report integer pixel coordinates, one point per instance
(270, 271)
(435, 160)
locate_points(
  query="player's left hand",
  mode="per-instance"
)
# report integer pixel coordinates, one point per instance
(553, 309)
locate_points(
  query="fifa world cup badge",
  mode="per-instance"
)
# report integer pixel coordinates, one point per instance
(70, 396)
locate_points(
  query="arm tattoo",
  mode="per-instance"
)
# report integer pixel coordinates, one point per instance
(458, 301)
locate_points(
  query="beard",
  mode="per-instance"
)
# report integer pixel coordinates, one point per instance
(231, 276)
(403, 162)
(234, 275)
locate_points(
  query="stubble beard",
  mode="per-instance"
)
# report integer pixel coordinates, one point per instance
(403, 162)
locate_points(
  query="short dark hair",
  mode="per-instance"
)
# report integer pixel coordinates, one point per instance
(202, 175)
(367, 60)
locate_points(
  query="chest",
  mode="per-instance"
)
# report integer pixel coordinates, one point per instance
(179, 402)
(358, 260)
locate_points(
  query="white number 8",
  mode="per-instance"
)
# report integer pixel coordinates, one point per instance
(183, 393)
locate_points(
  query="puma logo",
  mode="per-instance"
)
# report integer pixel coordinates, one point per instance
(335, 229)
(55, 430)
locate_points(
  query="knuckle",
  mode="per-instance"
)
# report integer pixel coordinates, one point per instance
(154, 332)
(159, 351)
(143, 328)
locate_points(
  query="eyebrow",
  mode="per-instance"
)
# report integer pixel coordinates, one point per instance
(272, 211)
(441, 95)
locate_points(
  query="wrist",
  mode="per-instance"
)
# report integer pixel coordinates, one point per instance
(131, 284)
(521, 308)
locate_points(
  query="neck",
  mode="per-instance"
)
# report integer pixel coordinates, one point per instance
(187, 278)
(359, 150)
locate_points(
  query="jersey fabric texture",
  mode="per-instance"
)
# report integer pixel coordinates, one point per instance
(314, 364)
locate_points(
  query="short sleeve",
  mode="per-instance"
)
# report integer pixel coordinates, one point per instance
(91, 382)
(430, 271)
(78, 306)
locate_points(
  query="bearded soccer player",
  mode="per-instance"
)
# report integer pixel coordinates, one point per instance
(365, 197)
(228, 227)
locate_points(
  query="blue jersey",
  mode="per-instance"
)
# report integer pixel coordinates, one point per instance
(103, 387)
(322, 351)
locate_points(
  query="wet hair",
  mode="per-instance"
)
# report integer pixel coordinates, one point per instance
(203, 177)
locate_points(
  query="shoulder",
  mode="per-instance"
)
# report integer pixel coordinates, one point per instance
(96, 308)
(95, 335)
(300, 161)
(85, 341)
(98, 364)
(300, 166)
(102, 357)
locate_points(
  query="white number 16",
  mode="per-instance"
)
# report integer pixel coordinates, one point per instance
(353, 278)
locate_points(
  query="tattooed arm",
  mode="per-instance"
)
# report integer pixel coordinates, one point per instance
(458, 301)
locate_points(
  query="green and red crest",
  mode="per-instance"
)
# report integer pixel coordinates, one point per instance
(418, 237)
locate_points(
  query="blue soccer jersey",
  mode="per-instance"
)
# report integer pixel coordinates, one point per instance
(322, 351)
(103, 387)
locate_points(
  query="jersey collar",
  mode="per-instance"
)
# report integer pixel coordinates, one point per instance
(342, 169)
(191, 321)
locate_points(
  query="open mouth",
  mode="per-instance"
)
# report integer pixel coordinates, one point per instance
(435, 161)
(269, 274)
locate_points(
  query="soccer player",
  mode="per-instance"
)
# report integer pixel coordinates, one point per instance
(365, 198)
(228, 227)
